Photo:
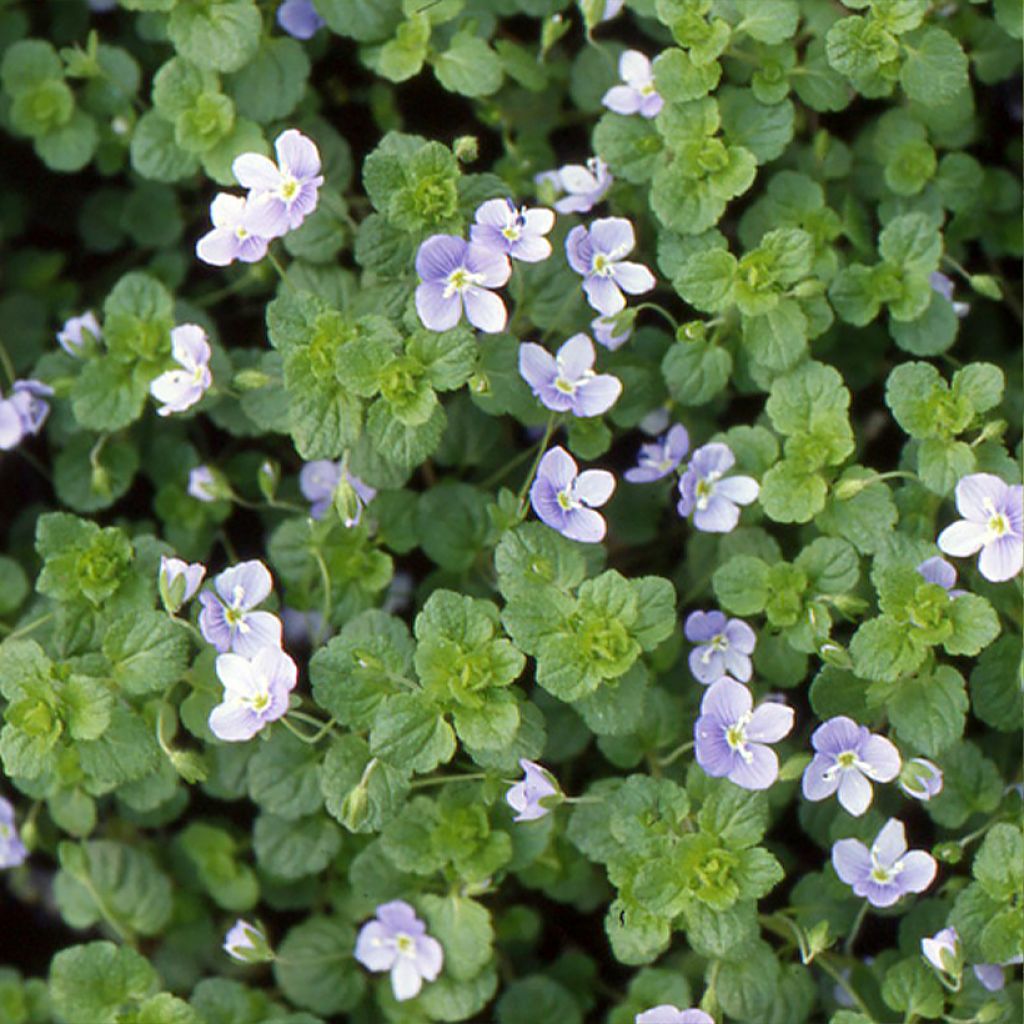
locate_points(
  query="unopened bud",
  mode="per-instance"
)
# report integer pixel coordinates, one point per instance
(693, 330)
(949, 853)
(252, 380)
(466, 148)
(552, 30)
(809, 288)
(248, 943)
(480, 384)
(850, 488)
(268, 477)
(355, 808)
(835, 654)
(987, 285)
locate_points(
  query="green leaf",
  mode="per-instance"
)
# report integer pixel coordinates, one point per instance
(770, 21)
(736, 817)
(537, 998)
(975, 625)
(999, 864)
(222, 37)
(678, 79)
(213, 854)
(93, 982)
(71, 146)
(102, 880)
(87, 480)
(930, 334)
(469, 66)
(464, 929)
(366, 21)
(941, 463)
(763, 131)
(865, 519)
(792, 494)
(361, 792)
(696, 371)
(748, 982)
(929, 710)
(912, 987)
(315, 967)
(935, 68)
(719, 934)
(777, 339)
(971, 785)
(706, 280)
(997, 693)
(147, 652)
(154, 152)
(27, 63)
(628, 145)
(409, 733)
(741, 585)
(293, 849)
(402, 58)
(452, 523)
(108, 395)
(284, 777)
(911, 242)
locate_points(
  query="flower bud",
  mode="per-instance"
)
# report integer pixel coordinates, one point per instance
(987, 285)
(466, 148)
(252, 380)
(355, 808)
(850, 488)
(247, 943)
(693, 330)
(178, 582)
(948, 853)
(920, 778)
(268, 476)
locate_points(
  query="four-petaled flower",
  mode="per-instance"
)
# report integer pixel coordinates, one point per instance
(525, 797)
(668, 1014)
(299, 18)
(598, 254)
(730, 736)
(846, 756)
(181, 389)
(12, 849)
(319, 482)
(281, 195)
(638, 95)
(565, 499)
(74, 336)
(887, 871)
(227, 620)
(723, 647)
(24, 412)
(233, 237)
(938, 570)
(920, 778)
(397, 941)
(512, 230)
(585, 186)
(457, 274)
(255, 692)
(566, 382)
(247, 943)
(178, 581)
(709, 495)
(993, 522)
(659, 458)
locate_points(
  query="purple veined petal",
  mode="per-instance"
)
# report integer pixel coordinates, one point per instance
(635, 68)
(701, 627)
(633, 278)
(719, 515)
(851, 860)
(963, 538)
(297, 154)
(497, 213)
(613, 235)
(485, 310)
(707, 666)
(437, 311)
(304, 202)
(878, 894)
(816, 783)
(544, 500)
(578, 179)
(622, 99)
(941, 284)
(881, 758)
(838, 734)
(594, 487)
(651, 105)
(713, 458)
(738, 665)
(234, 722)
(213, 623)
(603, 295)
(578, 250)
(937, 570)
(891, 843)
(991, 976)
(219, 247)
(740, 636)
(537, 366)
(375, 947)
(726, 701)
(584, 525)
(687, 494)
(252, 249)
(972, 492)
(268, 216)
(1001, 559)
(575, 204)
(759, 772)
(558, 468)
(855, 792)
(189, 346)
(257, 172)
(256, 631)
(405, 979)
(741, 489)
(439, 255)
(711, 748)
(597, 395)
(1013, 508)
(770, 722)
(486, 237)
(576, 357)
(429, 957)
(530, 249)
(918, 871)
(493, 267)
(252, 576)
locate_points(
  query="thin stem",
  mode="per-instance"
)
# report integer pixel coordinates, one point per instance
(541, 448)
(323, 728)
(825, 963)
(8, 366)
(507, 468)
(300, 735)
(440, 780)
(858, 921)
(325, 612)
(655, 308)
(24, 630)
(282, 273)
(664, 762)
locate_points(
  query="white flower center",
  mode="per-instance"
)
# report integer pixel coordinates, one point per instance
(647, 89)
(718, 642)
(998, 524)
(567, 500)
(289, 187)
(459, 280)
(736, 737)
(846, 761)
(405, 944)
(884, 873)
(241, 232)
(567, 387)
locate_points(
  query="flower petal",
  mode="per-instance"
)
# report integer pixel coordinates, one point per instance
(218, 247)
(603, 295)
(851, 860)
(438, 256)
(918, 871)
(1002, 559)
(536, 365)
(726, 701)
(576, 357)
(816, 784)
(635, 68)
(405, 979)
(558, 468)
(597, 395)
(257, 172)
(259, 630)
(881, 758)
(855, 792)
(613, 235)
(298, 154)
(633, 278)
(234, 722)
(972, 492)
(891, 843)
(622, 99)
(594, 487)
(759, 772)
(437, 312)
(740, 489)
(770, 722)
(578, 250)
(584, 525)
(962, 538)
(485, 310)
(375, 947)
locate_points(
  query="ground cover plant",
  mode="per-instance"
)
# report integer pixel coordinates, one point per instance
(513, 511)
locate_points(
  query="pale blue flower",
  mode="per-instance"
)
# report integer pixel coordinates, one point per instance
(397, 941)
(887, 871)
